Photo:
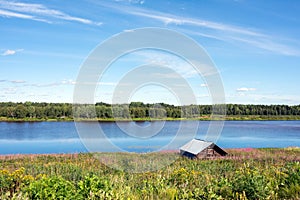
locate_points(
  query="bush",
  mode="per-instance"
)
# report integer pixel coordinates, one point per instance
(51, 188)
(92, 187)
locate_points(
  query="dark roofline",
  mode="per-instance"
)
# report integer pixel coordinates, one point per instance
(203, 140)
(219, 150)
(210, 145)
(215, 146)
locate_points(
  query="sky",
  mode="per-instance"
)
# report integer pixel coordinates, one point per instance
(254, 45)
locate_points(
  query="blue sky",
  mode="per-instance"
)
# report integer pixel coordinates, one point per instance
(254, 44)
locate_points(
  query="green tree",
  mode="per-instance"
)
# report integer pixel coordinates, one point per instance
(20, 111)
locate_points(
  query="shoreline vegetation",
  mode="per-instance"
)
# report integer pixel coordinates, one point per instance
(138, 111)
(201, 118)
(233, 153)
(248, 173)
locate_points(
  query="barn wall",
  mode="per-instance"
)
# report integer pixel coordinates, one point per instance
(208, 152)
(187, 154)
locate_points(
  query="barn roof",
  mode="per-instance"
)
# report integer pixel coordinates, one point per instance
(195, 146)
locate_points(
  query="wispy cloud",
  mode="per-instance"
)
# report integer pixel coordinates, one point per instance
(250, 98)
(141, 2)
(13, 81)
(18, 81)
(53, 84)
(173, 19)
(10, 52)
(13, 14)
(268, 44)
(233, 34)
(168, 18)
(9, 90)
(38, 12)
(245, 89)
(67, 82)
(160, 58)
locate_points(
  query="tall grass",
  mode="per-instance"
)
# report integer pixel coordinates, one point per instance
(244, 174)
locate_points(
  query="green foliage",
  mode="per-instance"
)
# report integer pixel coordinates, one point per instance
(252, 182)
(290, 185)
(11, 183)
(51, 188)
(92, 187)
(138, 110)
(246, 174)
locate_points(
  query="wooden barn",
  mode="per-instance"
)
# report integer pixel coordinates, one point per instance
(201, 149)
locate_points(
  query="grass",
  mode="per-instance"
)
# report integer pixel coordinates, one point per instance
(27, 119)
(244, 174)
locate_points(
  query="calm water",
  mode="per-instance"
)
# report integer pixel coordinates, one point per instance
(62, 137)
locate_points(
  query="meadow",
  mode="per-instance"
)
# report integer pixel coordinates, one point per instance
(244, 174)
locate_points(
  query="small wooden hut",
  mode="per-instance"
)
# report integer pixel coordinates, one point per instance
(201, 149)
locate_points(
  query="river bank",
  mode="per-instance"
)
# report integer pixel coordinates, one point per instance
(201, 118)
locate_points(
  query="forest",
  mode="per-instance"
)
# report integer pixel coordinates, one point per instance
(135, 110)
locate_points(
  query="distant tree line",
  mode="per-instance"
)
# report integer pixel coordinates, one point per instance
(133, 110)
(35, 110)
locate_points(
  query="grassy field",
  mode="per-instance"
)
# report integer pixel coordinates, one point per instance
(244, 174)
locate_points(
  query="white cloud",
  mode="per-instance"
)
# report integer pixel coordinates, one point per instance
(163, 18)
(13, 81)
(10, 52)
(18, 81)
(6, 13)
(128, 31)
(173, 19)
(174, 62)
(97, 83)
(10, 90)
(203, 85)
(67, 82)
(132, 1)
(38, 12)
(251, 98)
(269, 45)
(244, 89)
(233, 34)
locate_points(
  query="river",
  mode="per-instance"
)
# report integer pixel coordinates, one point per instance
(63, 137)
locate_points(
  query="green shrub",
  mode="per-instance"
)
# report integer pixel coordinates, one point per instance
(92, 187)
(249, 179)
(51, 188)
